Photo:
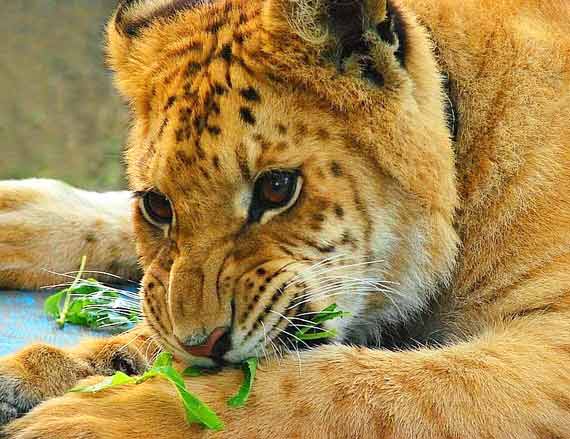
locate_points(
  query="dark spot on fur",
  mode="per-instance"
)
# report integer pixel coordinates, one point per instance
(183, 158)
(226, 52)
(192, 68)
(216, 162)
(347, 238)
(323, 134)
(162, 128)
(339, 211)
(262, 288)
(200, 124)
(336, 169)
(214, 130)
(246, 115)
(281, 129)
(199, 150)
(319, 217)
(170, 102)
(150, 286)
(261, 271)
(204, 173)
(250, 94)
(90, 238)
(219, 89)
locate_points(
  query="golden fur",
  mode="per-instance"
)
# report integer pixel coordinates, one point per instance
(457, 253)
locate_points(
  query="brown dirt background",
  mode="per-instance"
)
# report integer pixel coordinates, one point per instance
(59, 114)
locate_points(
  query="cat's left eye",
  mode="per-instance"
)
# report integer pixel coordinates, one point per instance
(275, 191)
(156, 208)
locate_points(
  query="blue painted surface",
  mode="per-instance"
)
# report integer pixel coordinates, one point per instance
(23, 321)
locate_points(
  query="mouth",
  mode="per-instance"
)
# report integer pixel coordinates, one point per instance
(284, 322)
(281, 338)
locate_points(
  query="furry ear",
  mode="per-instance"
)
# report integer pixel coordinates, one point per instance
(351, 33)
(129, 54)
(132, 16)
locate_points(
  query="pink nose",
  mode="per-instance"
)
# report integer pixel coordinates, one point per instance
(215, 346)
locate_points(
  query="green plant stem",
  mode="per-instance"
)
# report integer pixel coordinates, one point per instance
(61, 320)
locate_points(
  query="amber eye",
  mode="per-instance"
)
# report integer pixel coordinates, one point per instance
(273, 190)
(156, 208)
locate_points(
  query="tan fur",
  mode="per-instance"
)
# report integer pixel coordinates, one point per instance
(481, 224)
(46, 227)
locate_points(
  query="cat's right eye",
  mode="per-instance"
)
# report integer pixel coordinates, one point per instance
(156, 208)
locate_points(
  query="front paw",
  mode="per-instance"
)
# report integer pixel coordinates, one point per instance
(144, 411)
(13, 400)
(34, 375)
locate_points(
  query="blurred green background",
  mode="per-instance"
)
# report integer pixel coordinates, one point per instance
(59, 115)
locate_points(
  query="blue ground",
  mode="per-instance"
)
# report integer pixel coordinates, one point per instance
(22, 321)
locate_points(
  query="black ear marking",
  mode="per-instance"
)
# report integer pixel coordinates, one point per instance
(351, 24)
(134, 15)
(393, 31)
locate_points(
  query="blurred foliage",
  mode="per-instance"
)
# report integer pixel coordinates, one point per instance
(59, 114)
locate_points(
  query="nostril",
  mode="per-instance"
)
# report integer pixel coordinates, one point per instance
(215, 346)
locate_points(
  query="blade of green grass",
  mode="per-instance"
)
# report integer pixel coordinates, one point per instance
(239, 399)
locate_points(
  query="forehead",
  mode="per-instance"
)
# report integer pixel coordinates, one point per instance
(236, 135)
(214, 107)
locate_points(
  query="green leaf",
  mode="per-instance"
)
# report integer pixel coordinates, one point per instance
(196, 410)
(329, 313)
(52, 305)
(317, 335)
(314, 333)
(163, 360)
(118, 379)
(192, 371)
(249, 368)
(91, 304)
